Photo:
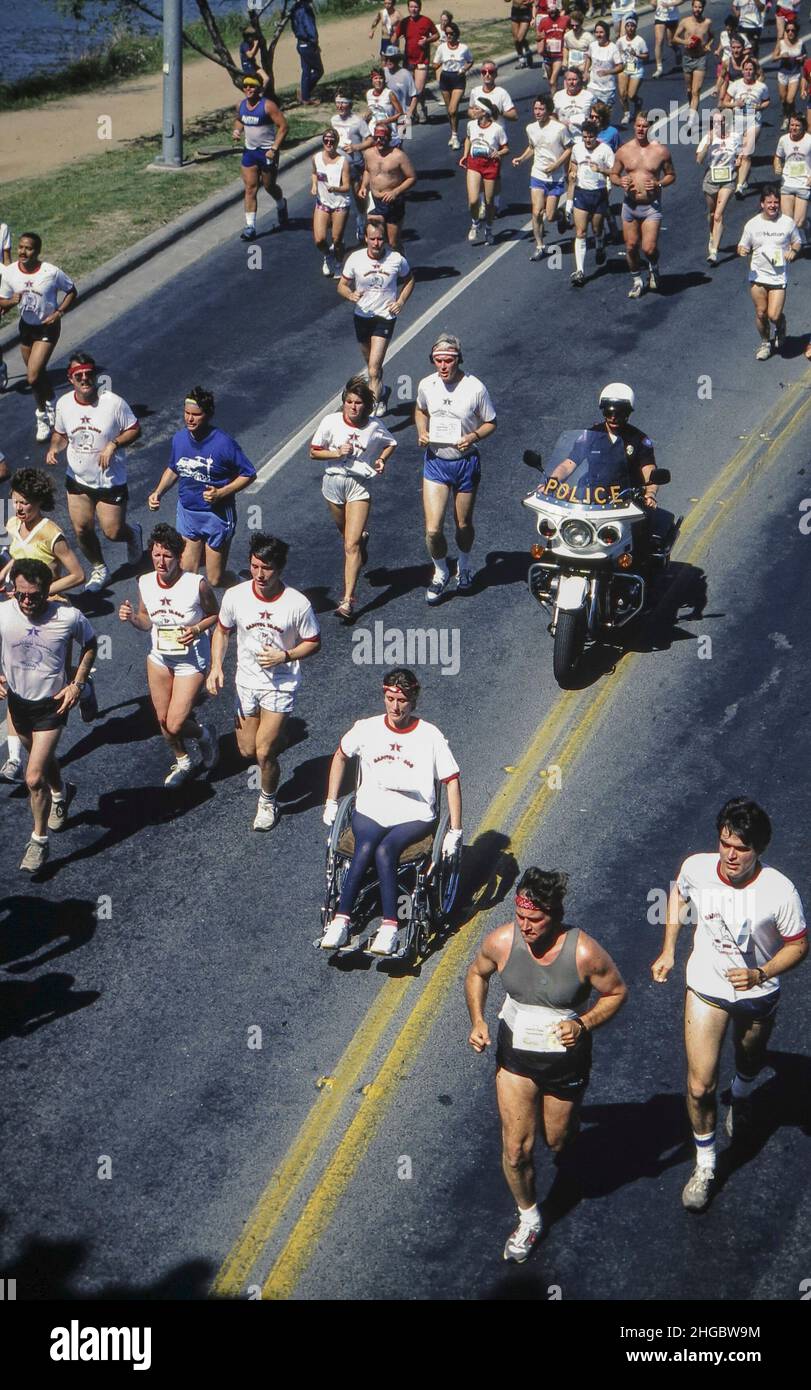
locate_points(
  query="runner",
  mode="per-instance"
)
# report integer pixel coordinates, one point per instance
(485, 147)
(331, 190)
(264, 127)
(36, 639)
(722, 150)
(665, 23)
(419, 33)
(748, 98)
(498, 97)
(355, 449)
(589, 166)
(694, 34)
(792, 164)
(400, 81)
(805, 92)
(179, 610)
(551, 30)
(549, 147)
(5, 259)
(577, 42)
(520, 20)
(772, 241)
(388, 176)
(543, 1052)
(453, 414)
(378, 282)
(395, 801)
(603, 65)
(452, 62)
(383, 104)
(634, 54)
(789, 54)
(621, 10)
(750, 19)
(211, 469)
(35, 285)
(95, 427)
(750, 930)
(353, 135)
(276, 630)
(607, 134)
(787, 13)
(388, 17)
(33, 536)
(732, 65)
(573, 102)
(642, 168)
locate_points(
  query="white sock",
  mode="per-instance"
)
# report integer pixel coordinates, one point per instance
(15, 748)
(40, 839)
(183, 760)
(705, 1150)
(742, 1085)
(269, 797)
(529, 1216)
(580, 253)
(250, 219)
(58, 796)
(441, 569)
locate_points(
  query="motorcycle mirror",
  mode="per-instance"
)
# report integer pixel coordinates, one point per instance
(533, 459)
(660, 476)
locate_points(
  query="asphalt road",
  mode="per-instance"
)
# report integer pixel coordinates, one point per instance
(141, 1125)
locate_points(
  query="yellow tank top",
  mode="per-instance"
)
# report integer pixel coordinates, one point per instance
(38, 545)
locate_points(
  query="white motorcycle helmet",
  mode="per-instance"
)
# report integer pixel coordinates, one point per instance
(616, 393)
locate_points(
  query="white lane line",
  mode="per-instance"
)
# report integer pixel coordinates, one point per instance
(266, 470)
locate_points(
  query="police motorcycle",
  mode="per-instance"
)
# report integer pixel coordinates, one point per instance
(591, 572)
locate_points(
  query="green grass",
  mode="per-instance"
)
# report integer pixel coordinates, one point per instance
(108, 202)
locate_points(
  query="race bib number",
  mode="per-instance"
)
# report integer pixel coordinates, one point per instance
(444, 429)
(720, 174)
(169, 643)
(535, 1030)
(796, 169)
(777, 258)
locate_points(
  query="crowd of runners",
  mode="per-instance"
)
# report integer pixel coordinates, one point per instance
(591, 70)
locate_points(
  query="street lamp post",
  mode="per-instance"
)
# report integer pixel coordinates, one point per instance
(172, 152)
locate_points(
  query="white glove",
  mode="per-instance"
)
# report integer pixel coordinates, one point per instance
(451, 843)
(330, 812)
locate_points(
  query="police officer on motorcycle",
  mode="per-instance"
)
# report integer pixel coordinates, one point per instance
(616, 403)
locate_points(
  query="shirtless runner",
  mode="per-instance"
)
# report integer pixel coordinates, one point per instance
(642, 169)
(694, 35)
(388, 175)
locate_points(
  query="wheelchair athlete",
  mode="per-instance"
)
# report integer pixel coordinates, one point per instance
(401, 759)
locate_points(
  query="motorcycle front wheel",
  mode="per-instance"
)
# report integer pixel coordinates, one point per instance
(570, 638)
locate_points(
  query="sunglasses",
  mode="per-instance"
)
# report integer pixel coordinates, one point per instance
(82, 375)
(27, 598)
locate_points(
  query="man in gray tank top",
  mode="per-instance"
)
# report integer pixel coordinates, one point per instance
(543, 1051)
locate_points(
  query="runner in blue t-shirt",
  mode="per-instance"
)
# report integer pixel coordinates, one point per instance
(211, 469)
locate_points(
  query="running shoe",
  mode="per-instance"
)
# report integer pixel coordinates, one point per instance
(385, 941)
(474, 231)
(179, 772)
(653, 277)
(522, 1242)
(336, 934)
(538, 254)
(345, 612)
(267, 815)
(522, 62)
(626, 120)
(59, 809)
(712, 254)
(741, 190)
(437, 588)
(637, 289)
(3, 375)
(488, 236)
(98, 579)
(698, 1191)
(326, 268)
(135, 545)
(764, 352)
(657, 72)
(578, 279)
(209, 746)
(12, 770)
(88, 702)
(599, 253)
(282, 214)
(739, 1117)
(464, 581)
(34, 857)
(43, 428)
(454, 142)
(248, 234)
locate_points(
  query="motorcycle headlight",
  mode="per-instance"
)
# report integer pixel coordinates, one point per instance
(577, 534)
(609, 535)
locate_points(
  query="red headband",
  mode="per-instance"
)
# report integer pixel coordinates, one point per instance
(526, 904)
(80, 367)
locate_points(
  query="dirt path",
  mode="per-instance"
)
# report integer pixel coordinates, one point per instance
(56, 134)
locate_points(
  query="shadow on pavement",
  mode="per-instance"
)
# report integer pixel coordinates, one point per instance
(28, 1005)
(47, 1269)
(34, 931)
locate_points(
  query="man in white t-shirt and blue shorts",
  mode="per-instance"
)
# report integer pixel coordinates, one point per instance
(750, 929)
(276, 630)
(453, 414)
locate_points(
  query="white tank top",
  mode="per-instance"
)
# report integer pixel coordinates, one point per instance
(171, 607)
(328, 182)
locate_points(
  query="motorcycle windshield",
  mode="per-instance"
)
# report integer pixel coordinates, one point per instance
(587, 469)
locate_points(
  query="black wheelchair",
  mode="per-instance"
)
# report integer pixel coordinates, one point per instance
(427, 885)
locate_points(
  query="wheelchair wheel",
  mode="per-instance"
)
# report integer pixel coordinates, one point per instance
(444, 884)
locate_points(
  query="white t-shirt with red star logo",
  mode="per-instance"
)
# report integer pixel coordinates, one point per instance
(260, 623)
(398, 768)
(87, 429)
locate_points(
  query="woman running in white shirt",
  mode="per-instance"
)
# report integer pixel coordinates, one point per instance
(331, 190)
(721, 148)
